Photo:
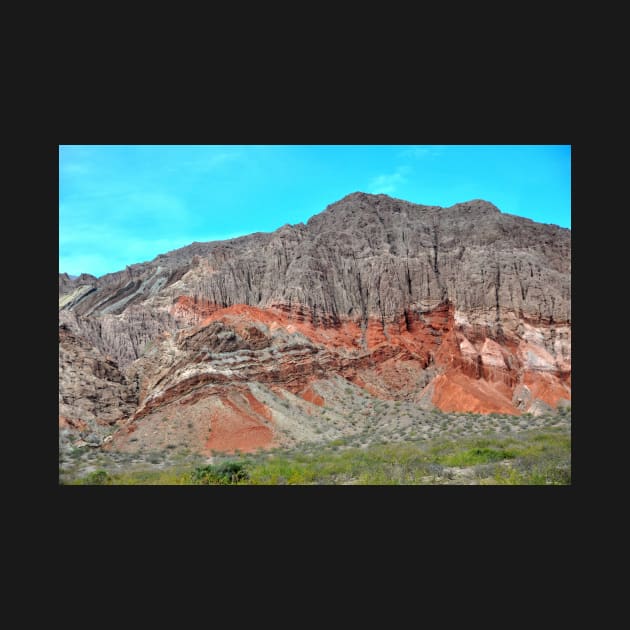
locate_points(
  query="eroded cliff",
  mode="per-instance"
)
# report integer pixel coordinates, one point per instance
(464, 308)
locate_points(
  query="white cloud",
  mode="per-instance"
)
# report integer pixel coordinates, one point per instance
(387, 183)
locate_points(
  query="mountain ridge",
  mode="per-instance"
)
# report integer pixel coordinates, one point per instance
(370, 284)
(84, 276)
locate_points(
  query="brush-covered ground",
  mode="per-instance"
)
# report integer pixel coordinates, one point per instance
(423, 448)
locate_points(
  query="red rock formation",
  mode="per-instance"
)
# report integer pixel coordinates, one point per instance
(550, 388)
(462, 307)
(233, 427)
(309, 395)
(242, 344)
(191, 310)
(454, 391)
(72, 423)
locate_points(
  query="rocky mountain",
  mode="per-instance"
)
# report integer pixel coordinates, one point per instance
(238, 343)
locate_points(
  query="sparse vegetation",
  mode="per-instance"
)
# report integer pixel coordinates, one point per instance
(97, 478)
(533, 457)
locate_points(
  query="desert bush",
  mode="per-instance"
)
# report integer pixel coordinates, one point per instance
(97, 478)
(221, 474)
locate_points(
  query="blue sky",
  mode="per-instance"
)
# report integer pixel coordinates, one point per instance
(120, 205)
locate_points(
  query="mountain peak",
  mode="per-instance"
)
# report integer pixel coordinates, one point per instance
(476, 204)
(247, 343)
(381, 199)
(365, 197)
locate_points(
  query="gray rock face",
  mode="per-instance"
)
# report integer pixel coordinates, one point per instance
(124, 337)
(91, 387)
(366, 256)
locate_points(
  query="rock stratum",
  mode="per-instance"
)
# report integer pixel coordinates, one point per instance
(238, 344)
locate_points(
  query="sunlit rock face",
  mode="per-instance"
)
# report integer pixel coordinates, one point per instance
(462, 308)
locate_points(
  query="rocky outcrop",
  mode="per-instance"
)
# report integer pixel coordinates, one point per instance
(365, 256)
(93, 392)
(465, 308)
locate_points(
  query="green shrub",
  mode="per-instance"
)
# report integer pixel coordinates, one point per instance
(221, 474)
(97, 478)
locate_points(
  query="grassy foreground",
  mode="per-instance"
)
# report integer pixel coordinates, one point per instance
(533, 457)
